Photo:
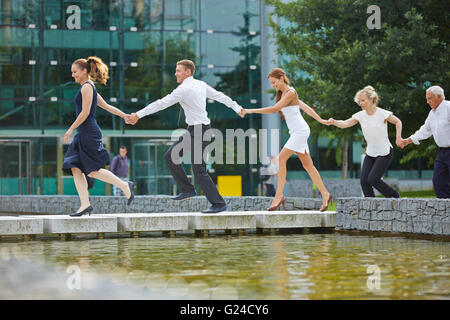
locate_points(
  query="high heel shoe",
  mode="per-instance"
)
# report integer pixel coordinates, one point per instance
(131, 198)
(325, 208)
(79, 214)
(282, 201)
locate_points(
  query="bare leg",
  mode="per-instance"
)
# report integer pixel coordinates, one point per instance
(82, 188)
(281, 175)
(109, 177)
(308, 165)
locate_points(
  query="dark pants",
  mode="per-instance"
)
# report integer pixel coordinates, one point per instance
(372, 171)
(193, 139)
(270, 190)
(441, 174)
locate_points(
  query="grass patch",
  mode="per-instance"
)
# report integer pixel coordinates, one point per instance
(418, 194)
(415, 194)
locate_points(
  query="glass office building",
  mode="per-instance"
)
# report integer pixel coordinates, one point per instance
(140, 41)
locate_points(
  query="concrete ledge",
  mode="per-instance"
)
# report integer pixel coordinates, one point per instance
(297, 219)
(14, 226)
(142, 222)
(222, 221)
(150, 222)
(85, 224)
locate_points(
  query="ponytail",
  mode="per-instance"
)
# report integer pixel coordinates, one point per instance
(96, 68)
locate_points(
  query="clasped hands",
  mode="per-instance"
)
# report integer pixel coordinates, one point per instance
(131, 118)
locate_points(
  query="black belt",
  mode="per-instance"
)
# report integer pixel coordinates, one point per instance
(200, 124)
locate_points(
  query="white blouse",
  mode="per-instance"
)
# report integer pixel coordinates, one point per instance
(374, 128)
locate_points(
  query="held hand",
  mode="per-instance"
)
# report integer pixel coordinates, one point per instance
(131, 118)
(332, 121)
(400, 142)
(67, 135)
(134, 118)
(405, 142)
(325, 122)
(242, 113)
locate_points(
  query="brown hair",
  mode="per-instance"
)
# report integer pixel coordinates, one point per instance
(96, 68)
(188, 64)
(279, 73)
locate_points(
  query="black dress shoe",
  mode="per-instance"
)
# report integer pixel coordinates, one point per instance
(131, 198)
(215, 210)
(79, 214)
(185, 195)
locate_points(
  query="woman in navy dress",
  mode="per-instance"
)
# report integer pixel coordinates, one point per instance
(86, 155)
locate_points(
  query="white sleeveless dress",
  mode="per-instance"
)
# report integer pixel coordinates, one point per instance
(298, 129)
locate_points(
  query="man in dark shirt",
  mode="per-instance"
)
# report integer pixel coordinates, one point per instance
(119, 166)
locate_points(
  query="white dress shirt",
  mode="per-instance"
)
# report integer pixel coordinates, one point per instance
(375, 131)
(191, 94)
(437, 125)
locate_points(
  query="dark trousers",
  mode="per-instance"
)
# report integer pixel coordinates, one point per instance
(270, 190)
(372, 171)
(193, 141)
(441, 174)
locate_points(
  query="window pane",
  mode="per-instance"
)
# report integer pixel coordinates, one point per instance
(233, 15)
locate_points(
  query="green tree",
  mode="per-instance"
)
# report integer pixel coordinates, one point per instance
(330, 41)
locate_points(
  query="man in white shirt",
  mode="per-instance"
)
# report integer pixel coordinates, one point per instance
(437, 125)
(191, 94)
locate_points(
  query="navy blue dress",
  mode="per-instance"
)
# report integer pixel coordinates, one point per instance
(86, 152)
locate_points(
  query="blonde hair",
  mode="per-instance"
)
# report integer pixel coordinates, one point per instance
(96, 68)
(370, 93)
(188, 64)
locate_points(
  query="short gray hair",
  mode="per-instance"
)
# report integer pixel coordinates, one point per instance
(437, 91)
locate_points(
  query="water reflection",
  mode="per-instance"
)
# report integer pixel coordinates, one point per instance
(294, 266)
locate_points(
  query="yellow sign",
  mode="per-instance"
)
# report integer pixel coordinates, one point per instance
(230, 185)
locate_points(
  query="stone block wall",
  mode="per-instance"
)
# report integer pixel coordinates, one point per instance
(419, 216)
(141, 204)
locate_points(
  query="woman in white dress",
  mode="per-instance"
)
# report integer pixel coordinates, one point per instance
(288, 105)
(379, 152)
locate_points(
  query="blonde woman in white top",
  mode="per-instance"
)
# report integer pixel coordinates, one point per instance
(379, 152)
(289, 105)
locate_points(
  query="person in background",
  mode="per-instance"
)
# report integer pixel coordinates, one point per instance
(119, 166)
(267, 174)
